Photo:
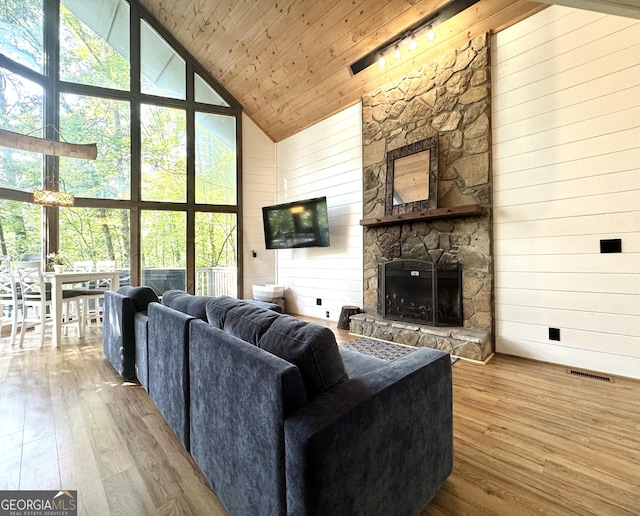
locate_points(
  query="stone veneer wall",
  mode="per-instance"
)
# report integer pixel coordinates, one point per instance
(449, 98)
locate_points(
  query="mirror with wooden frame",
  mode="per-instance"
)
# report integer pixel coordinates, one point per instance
(412, 177)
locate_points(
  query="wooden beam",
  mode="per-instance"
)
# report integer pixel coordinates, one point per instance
(49, 147)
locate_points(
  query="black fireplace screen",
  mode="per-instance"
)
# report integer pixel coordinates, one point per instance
(420, 292)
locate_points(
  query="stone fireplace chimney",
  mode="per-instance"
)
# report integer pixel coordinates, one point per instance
(448, 99)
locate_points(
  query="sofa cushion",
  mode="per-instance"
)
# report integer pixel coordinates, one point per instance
(249, 322)
(141, 296)
(195, 306)
(218, 308)
(357, 364)
(310, 347)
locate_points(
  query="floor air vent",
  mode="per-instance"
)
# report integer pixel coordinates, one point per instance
(593, 376)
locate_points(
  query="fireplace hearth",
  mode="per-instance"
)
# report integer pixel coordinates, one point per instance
(420, 292)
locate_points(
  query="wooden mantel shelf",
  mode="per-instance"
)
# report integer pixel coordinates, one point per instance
(467, 210)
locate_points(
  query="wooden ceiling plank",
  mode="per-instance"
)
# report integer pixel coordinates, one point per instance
(293, 119)
(271, 23)
(278, 37)
(318, 19)
(165, 12)
(373, 28)
(232, 28)
(314, 69)
(203, 15)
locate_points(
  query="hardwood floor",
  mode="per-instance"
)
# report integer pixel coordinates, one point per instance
(529, 438)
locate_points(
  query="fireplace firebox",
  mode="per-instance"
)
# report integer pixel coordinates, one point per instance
(421, 292)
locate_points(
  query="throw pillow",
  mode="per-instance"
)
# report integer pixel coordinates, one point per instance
(249, 322)
(311, 348)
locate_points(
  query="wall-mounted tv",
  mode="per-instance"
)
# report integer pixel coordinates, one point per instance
(296, 224)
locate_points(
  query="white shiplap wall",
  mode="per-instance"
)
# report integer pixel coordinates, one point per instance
(324, 160)
(566, 174)
(258, 190)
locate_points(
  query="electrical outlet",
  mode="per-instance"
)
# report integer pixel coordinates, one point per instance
(554, 333)
(327, 313)
(318, 301)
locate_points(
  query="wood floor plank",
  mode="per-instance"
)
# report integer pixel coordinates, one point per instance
(107, 442)
(623, 493)
(38, 417)
(447, 503)
(73, 441)
(528, 438)
(11, 453)
(39, 465)
(13, 401)
(127, 494)
(199, 497)
(155, 469)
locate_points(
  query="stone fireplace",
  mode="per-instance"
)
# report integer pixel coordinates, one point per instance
(447, 99)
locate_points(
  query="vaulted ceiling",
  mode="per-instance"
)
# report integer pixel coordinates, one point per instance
(288, 61)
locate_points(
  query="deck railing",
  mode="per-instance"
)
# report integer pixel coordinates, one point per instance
(217, 281)
(210, 281)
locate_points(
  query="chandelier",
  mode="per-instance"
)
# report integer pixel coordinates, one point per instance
(53, 198)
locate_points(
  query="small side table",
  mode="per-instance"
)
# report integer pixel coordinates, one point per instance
(345, 315)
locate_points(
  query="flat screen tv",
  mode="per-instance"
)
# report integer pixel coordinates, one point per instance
(296, 224)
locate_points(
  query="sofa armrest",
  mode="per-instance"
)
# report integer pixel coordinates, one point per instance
(118, 341)
(381, 443)
(141, 332)
(168, 365)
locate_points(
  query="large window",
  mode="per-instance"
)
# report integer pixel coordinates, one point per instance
(164, 154)
(164, 250)
(19, 228)
(21, 111)
(95, 234)
(94, 43)
(162, 70)
(161, 199)
(216, 254)
(22, 29)
(215, 159)
(109, 176)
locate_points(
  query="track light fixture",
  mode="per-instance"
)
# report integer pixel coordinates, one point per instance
(431, 34)
(413, 43)
(422, 30)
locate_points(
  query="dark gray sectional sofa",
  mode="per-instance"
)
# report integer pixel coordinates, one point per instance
(281, 420)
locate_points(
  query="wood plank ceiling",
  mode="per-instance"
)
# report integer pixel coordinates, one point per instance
(287, 61)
